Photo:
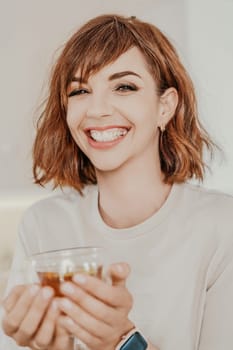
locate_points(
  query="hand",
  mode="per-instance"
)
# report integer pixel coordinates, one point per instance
(25, 308)
(96, 312)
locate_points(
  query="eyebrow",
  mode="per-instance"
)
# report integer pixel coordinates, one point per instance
(112, 77)
(123, 74)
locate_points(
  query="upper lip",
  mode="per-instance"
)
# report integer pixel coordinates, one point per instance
(102, 128)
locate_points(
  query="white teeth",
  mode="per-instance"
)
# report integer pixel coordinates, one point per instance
(108, 134)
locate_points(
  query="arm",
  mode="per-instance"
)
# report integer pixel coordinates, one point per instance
(151, 347)
(217, 325)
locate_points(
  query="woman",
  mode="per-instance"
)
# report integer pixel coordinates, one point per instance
(120, 128)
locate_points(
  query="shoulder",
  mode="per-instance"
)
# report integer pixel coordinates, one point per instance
(59, 205)
(210, 213)
(56, 221)
(209, 201)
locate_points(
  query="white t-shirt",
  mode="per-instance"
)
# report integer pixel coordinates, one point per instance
(181, 261)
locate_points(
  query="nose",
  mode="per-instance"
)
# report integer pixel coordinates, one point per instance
(99, 106)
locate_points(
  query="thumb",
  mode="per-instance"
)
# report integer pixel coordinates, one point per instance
(119, 273)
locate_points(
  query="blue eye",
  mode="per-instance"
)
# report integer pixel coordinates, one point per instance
(77, 92)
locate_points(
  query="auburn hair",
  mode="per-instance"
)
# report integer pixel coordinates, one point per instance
(97, 43)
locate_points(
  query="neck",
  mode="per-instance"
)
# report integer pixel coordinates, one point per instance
(126, 200)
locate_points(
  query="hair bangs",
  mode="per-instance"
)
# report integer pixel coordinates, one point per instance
(95, 48)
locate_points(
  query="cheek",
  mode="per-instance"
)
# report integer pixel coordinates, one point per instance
(73, 116)
(141, 109)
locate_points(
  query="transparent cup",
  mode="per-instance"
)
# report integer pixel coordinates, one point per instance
(57, 266)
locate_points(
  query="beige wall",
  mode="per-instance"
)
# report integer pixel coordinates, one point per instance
(11, 210)
(9, 218)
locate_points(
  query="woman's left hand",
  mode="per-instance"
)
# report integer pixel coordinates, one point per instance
(96, 312)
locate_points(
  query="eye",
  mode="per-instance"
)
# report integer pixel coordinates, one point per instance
(77, 92)
(126, 87)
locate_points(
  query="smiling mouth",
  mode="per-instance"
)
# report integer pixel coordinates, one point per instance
(107, 135)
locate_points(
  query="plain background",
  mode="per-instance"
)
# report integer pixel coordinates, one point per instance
(31, 34)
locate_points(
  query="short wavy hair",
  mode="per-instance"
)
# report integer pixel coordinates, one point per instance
(97, 43)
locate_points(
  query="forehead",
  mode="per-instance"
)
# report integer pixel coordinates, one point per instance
(131, 60)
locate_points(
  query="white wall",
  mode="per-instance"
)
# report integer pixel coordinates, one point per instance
(210, 48)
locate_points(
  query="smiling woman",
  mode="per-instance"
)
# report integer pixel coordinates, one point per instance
(119, 112)
(99, 43)
(120, 128)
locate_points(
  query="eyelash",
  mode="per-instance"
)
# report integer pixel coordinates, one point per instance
(121, 88)
(77, 92)
(126, 87)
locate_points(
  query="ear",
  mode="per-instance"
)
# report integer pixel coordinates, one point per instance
(168, 104)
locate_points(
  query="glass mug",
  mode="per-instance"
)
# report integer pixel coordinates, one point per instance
(57, 266)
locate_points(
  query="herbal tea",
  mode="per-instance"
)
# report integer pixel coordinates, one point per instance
(54, 279)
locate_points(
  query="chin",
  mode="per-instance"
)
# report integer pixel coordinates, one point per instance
(107, 166)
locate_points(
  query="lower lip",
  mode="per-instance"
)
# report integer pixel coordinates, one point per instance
(106, 144)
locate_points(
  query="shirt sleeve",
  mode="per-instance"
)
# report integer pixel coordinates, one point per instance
(217, 324)
(19, 274)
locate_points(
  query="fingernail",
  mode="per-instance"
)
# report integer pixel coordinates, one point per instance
(66, 304)
(123, 268)
(47, 293)
(67, 288)
(119, 268)
(34, 289)
(69, 321)
(81, 279)
(66, 321)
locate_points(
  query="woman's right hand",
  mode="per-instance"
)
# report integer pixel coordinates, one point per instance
(30, 319)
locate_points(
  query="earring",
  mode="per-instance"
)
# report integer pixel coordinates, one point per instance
(162, 127)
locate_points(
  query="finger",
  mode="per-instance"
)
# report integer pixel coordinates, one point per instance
(99, 289)
(46, 332)
(62, 339)
(10, 301)
(80, 333)
(32, 320)
(94, 326)
(89, 303)
(13, 319)
(119, 273)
